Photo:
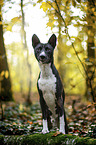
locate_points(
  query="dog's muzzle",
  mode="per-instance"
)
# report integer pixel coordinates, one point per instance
(43, 57)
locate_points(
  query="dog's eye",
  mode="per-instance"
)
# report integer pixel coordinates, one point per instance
(39, 49)
(47, 49)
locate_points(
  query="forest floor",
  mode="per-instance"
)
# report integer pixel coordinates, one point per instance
(19, 118)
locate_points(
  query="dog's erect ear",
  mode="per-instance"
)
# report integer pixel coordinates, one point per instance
(35, 40)
(52, 40)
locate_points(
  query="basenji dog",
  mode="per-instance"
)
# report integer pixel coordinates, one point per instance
(49, 86)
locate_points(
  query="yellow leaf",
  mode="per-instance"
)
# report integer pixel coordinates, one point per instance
(45, 6)
(85, 8)
(14, 123)
(21, 107)
(39, 1)
(56, 133)
(2, 73)
(1, 2)
(95, 13)
(95, 80)
(9, 28)
(88, 63)
(89, 32)
(6, 74)
(50, 24)
(93, 9)
(16, 19)
(69, 62)
(0, 22)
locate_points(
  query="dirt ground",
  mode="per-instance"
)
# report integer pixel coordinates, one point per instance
(73, 101)
(21, 98)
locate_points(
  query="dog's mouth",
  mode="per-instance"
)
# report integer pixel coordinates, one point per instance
(43, 59)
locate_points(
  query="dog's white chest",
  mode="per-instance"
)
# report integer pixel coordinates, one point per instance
(47, 83)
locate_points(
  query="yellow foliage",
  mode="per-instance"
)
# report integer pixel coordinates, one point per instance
(86, 8)
(69, 62)
(6, 74)
(13, 73)
(95, 13)
(72, 75)
(51, 16)
(0, 22)
(45, 6)
(9, 28)
(39, 1)
(16, 19)
(21, 107)
(93, 9)
(64, 1)
(50, 23)
(95, 80)
(1, 2)
(74, 3)
(2, 73)
(88, 63)
(67, 7)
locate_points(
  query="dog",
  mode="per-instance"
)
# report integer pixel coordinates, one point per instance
(49, 86)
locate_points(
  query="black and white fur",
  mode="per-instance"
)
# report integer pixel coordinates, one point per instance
(49, 86)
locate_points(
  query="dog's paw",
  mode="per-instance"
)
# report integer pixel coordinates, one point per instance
(45, 131)
(62, 131)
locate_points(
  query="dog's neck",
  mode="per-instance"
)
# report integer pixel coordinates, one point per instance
(46, 70)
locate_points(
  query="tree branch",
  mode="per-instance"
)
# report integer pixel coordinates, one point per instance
(63, 20)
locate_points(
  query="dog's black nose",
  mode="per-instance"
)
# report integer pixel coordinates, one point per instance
(42, 57)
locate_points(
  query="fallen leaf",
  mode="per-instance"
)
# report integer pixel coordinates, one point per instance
(56, 133)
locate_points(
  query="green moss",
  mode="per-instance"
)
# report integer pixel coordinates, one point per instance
(85, 141)
(35, 139)
(46, 139)
(49, 139)
(13, 140)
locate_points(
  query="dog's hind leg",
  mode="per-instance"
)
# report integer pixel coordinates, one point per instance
(66, 125)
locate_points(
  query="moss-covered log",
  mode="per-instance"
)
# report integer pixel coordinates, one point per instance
(46, 139)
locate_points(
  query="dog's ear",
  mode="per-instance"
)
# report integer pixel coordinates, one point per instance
(35, 40)
(52, 40)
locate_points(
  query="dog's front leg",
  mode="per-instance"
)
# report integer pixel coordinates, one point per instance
(62, 124)
(45, 126)
(44, 109)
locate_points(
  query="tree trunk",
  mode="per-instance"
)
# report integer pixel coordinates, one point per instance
(5, 82)
(26, 48)
(90, 51)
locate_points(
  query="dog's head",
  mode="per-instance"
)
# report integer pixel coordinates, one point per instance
(44, 51)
